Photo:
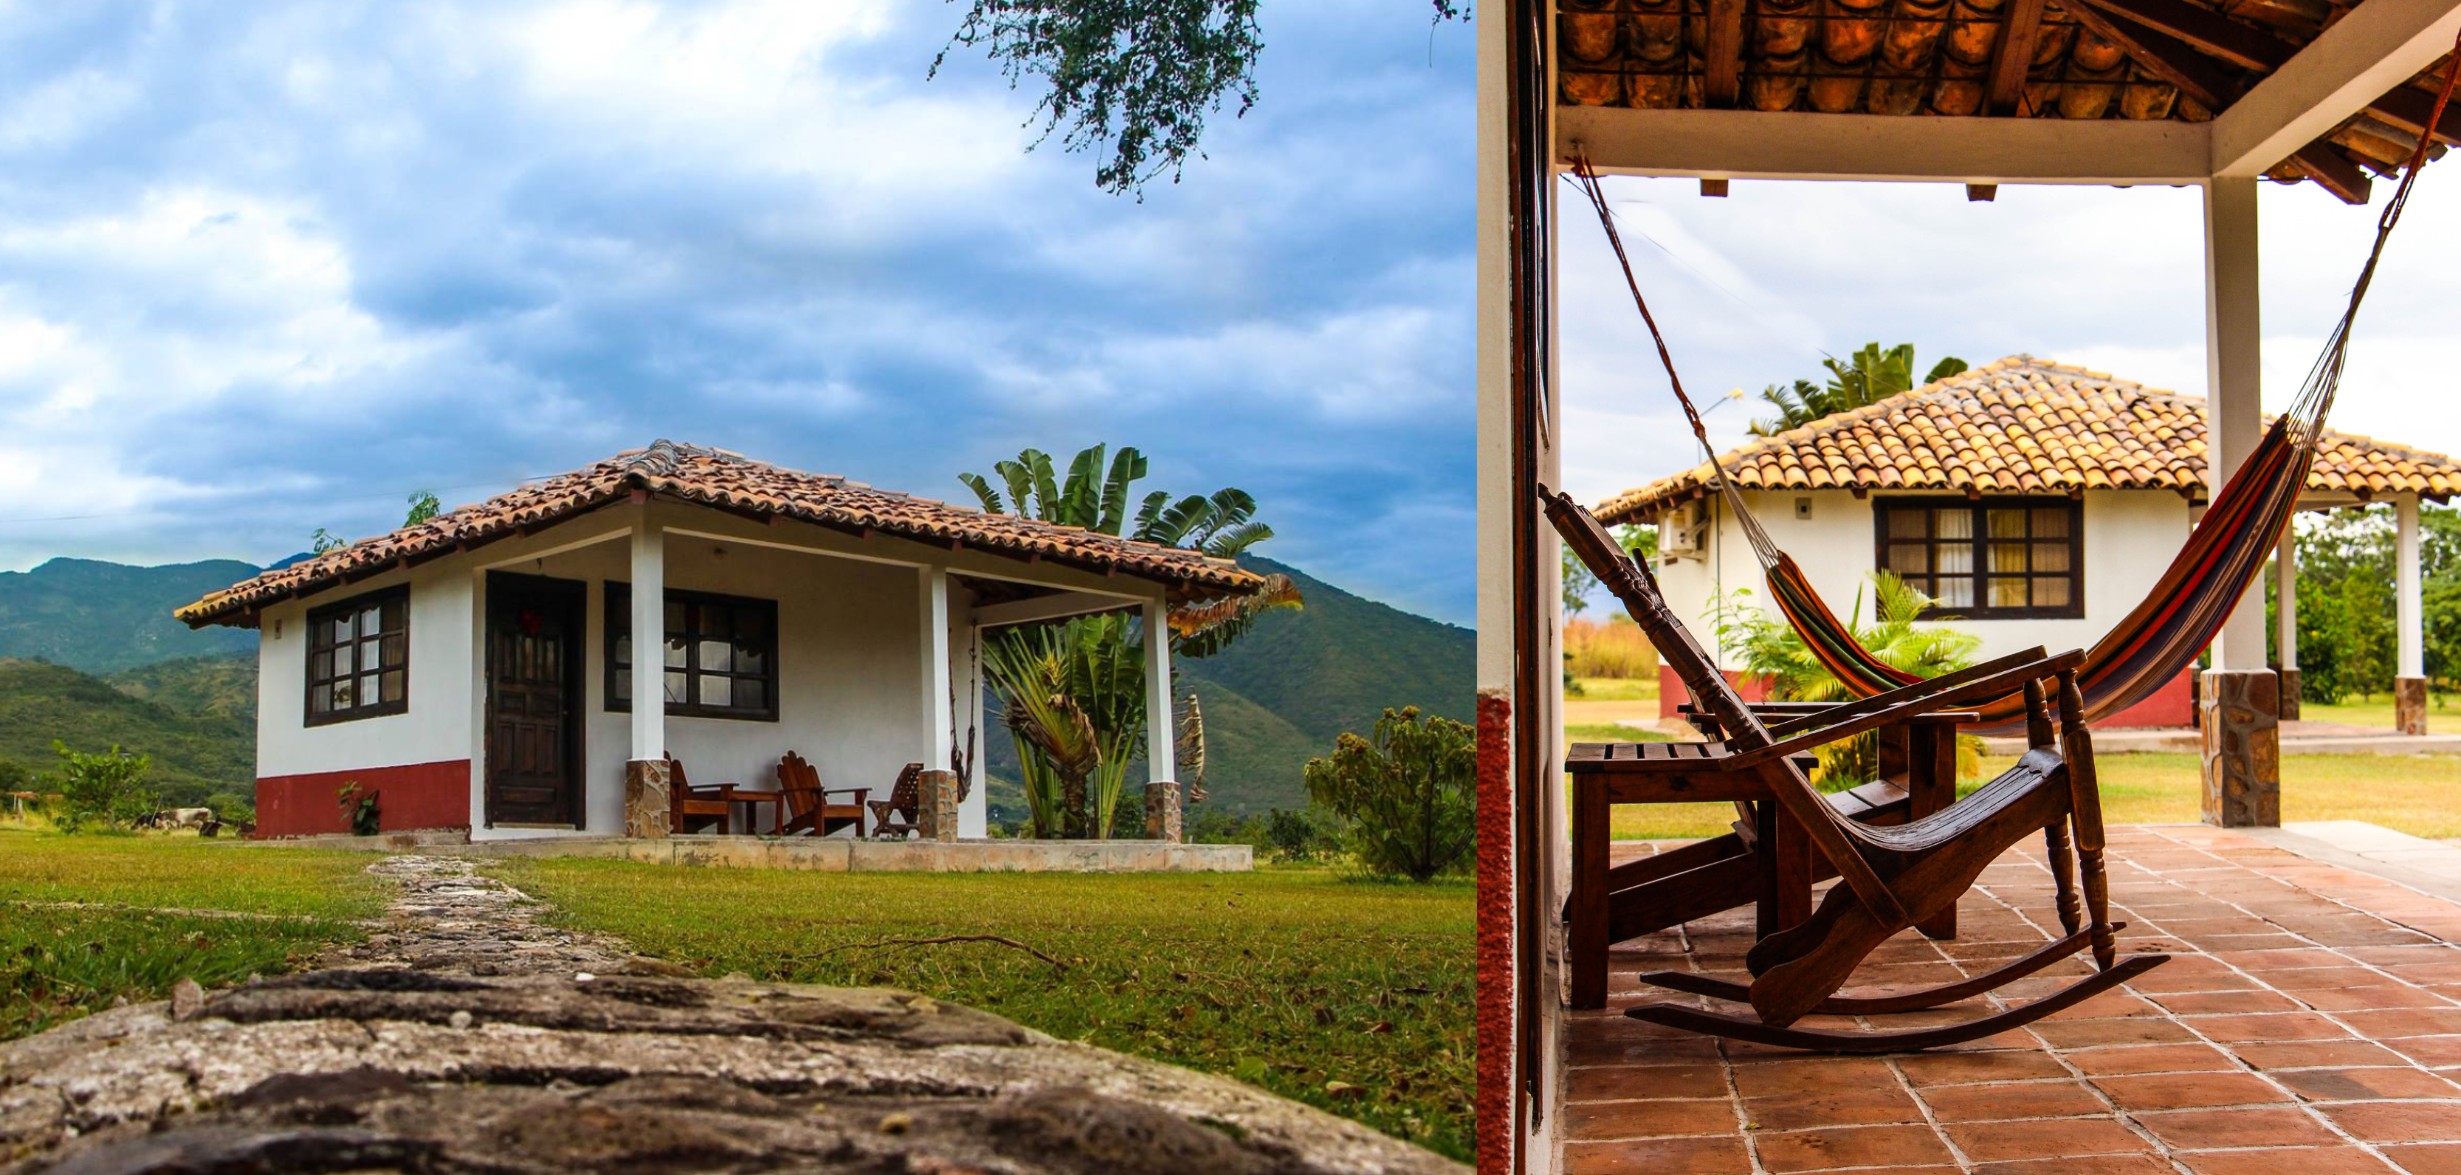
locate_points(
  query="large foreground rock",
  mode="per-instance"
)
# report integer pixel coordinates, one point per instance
(392, 1069)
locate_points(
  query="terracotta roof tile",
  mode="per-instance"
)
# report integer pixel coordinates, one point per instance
(731, 482)
(2023, 424)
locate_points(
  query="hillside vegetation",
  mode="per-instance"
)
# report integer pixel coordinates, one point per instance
(195, 755)
(100, 617)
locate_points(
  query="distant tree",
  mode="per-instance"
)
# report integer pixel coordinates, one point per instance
(1869, 376)
(423, 506)
(1405, 796)
(1135, 79)
(1640, 542)
(106, 788)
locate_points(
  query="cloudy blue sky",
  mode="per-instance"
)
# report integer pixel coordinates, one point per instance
(269, 267)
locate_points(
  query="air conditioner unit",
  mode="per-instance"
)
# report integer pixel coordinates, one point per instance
(1682, 530)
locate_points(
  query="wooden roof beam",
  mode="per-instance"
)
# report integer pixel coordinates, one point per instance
(2373, 49)
(2334, 171)
(1722, 56)
(1755, 145)
(2164, 56)
(2407, 107)
(2019, 35)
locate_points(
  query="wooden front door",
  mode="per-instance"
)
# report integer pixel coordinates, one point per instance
(534, 704)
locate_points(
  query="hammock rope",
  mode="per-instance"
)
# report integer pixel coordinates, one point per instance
(2224, 553)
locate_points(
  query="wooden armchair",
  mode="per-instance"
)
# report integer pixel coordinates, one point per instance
(686, 803)
(896, 816)
(808, 809)
(1891, 877)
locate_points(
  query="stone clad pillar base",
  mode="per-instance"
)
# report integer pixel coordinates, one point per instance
(2289, 691)
(2242, 748)
(2410, 705)
(646, 810)
(1163, 814)
(935, 808)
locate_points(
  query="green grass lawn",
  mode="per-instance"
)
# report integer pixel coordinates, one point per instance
(1615, 689)
(2377, 711)
(2407, 793)
(147, 917)
(1352, 996)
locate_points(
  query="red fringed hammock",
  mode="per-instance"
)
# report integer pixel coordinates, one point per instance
(2224, 553)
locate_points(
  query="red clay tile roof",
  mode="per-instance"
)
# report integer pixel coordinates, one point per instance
(2022, 425)
(738, 485)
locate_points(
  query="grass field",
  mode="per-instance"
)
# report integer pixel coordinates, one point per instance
(1352, 996)
(153, 910)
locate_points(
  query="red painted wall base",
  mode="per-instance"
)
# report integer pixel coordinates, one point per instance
(1493, 1104)
(418, 796)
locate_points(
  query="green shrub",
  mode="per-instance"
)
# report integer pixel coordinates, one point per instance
(106, 788)
(231, 807)
(359, 809)
(1295, 834)
(1406, 798)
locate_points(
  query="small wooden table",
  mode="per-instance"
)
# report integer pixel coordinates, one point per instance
(752, 799)
(1918, 765)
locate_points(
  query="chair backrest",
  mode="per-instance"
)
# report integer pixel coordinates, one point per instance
(799, 782)
(907, 796)
(1638, 590)
(676, 783)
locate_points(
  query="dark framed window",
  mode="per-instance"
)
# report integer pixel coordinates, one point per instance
(359, 657)
(1989, 558)
(721, 654)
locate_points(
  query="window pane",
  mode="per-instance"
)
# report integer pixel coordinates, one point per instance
(320, 700)
(369, 689)
(1908, 524)
(338, 630)
(1955, 593)
(1954, 522)
(345, 660)
(2008, 524)
(716, 691)
(717, 656)
(396, 615)
(1954, 559)
(716, 622)
(623, 649)
(623, 687)
(752, 625)
(389, 687)
(675, 652)
(2050, 593)
(750, 657)
(1909, 558)
(751, 693)
(394, 650)
(2050, 522)
(2050, 556)
(371, 620)
(2008, 591)
(675, 617)
(2007, 556)
(344, 696)
(675, 688)
(320, 666)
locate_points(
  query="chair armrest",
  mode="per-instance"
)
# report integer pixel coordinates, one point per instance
(1990, 680)
(857, 792)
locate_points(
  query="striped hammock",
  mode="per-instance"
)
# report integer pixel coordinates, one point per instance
(2224, 553)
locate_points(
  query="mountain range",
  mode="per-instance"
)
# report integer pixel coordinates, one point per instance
(90, 655)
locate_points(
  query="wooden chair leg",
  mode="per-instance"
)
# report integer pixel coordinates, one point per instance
(1931, 786)
(1585, 929)
(2063, 872)
(1790, 855)
(2085, 792)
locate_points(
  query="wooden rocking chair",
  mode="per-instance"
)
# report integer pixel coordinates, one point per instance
(897, 816)
(1890, 878)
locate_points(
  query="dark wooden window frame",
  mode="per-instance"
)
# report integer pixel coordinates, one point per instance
(318, 643)
(1980, 610)
(618, 618)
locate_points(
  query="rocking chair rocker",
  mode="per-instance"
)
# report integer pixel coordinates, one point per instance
(1893, 877)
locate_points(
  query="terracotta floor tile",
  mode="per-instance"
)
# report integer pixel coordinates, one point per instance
(2390, 995)
(2286, 1026)
(2311, 1054)
(2074, 1034)
(2031, 1099)
(1872, 1106)
(2429, 1159)
(2081, 1165)
(2433, 1051)
(2389, 1025)
(2332, 1160)
(1942, 1068)
(1665, 1156)
(1595, 1121)
(2188, 1130)
(2159, 1058)
(1796, 1073)
(2397, 1121)
(1853, 1146)
(2349, 1085)
(2179, 1091)
(1991, 1142)
(2216, 1003)
(1616, 1084)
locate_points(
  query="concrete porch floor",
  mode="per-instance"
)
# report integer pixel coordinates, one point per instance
(2308, 1021)
(824, 854)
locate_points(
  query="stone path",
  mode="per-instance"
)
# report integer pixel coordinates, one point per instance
(2309, 1020)
(468, 1036)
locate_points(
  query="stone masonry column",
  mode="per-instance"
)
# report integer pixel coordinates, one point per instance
(2238, 704)
(1163, 819)
(2409, 622)
(935, 806)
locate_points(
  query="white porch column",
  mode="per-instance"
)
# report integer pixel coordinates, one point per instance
(645, 774)
(2409, 622)
(2234, 386)
(938, 715)
(2239, 704)
(2286, 610)
(1161, 730)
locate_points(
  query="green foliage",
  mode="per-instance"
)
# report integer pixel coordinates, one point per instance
(423, 506)
(361, 809)
(2348, 639)
(1769, 648)
(1288, 979)
(1296, 835)
(1406, 797)
(106, 788)
(231, 807)
(1135, 79)
(194, 755)
(324, 540)
(1869, 376)
(104, 617)
(221, 686)
(1072, 697)
(1640, 542)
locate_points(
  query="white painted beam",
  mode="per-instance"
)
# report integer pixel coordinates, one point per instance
(1052, 607)
(2234, 386)
(1161, 731)
(2409, 623)
(938, 713)
(2373, 47)
(649, 626)
(1751, 144)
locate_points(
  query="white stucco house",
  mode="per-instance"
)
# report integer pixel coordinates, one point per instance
(2037, 502)
(479, 669)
